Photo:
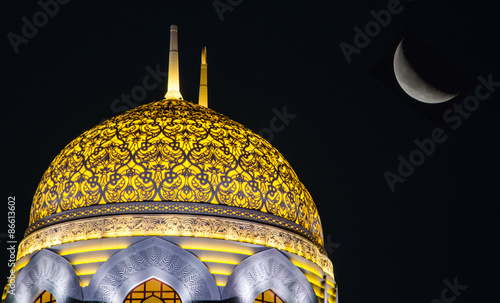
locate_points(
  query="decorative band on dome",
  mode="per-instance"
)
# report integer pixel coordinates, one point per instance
(178, 225)
(172, 208)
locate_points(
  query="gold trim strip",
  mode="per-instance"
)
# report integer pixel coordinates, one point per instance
(172, 207)
(174, 225)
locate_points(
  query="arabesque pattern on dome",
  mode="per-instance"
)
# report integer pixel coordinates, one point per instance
(174, 151)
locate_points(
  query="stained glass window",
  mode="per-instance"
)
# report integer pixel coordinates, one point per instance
(268, 297)
(153, 291)
(45, 297)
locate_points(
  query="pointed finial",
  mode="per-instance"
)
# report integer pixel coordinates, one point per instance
(203, 97)
(173, 91)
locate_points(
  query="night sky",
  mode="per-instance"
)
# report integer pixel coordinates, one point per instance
(352, 122)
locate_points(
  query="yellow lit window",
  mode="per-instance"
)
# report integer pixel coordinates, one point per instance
(268, 297)
(152, 291)
(45, 297)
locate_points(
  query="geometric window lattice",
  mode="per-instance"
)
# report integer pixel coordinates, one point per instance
(45, 297)
(152, 291)
(268, 297)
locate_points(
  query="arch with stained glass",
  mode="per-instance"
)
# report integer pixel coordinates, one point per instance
(268, 270)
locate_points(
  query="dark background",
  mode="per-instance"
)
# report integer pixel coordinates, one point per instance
(351, 122)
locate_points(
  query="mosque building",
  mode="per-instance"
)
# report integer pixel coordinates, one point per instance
(172, 202)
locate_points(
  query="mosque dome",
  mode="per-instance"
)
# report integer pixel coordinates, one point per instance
(172, 202)
(174, 151)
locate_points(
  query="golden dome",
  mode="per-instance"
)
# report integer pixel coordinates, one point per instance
(173, 151)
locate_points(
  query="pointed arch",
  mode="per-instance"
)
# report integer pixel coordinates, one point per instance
(269, 269)
(46, 271)
(152, 258)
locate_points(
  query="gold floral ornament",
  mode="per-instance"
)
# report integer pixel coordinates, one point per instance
(174, 150)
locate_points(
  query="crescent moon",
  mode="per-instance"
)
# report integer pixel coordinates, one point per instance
(413, 84)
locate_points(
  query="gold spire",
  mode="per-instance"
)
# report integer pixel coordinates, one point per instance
(173, 91)
(203, 97)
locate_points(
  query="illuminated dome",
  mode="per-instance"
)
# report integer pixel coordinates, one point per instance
(172, 150)
(171, 202)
